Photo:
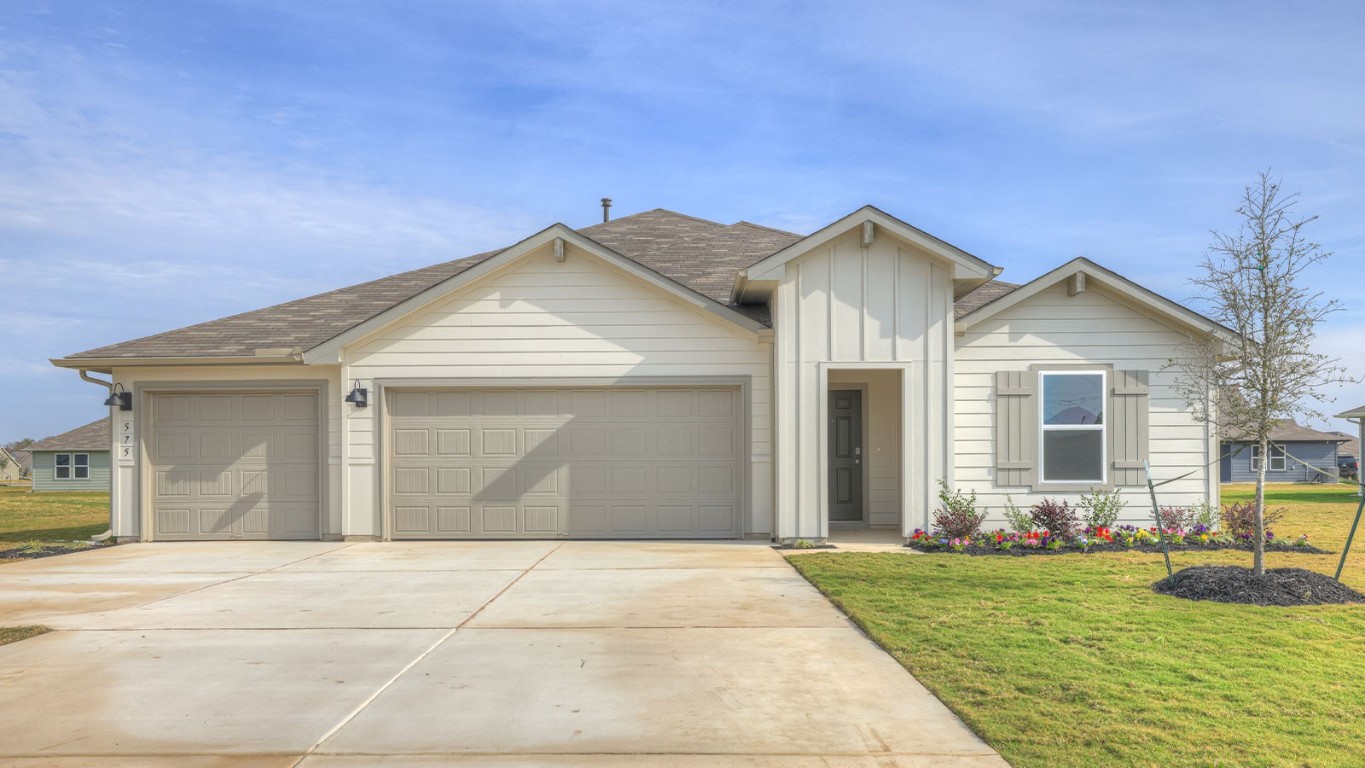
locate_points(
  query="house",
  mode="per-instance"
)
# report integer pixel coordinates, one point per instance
(1298, 454)
(656, 376)
(73, 461)
(1357, 415)
(13, 465)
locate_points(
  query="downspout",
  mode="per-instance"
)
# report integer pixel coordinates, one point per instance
(108, 385)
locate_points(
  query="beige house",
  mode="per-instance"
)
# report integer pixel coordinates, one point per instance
(12, 465)
(656, 376)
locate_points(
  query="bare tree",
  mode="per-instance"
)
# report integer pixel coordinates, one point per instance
(1268, 372)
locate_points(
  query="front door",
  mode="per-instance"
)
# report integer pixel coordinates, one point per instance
(846, 456)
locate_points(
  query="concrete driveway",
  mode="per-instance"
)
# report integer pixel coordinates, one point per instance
(451, 653)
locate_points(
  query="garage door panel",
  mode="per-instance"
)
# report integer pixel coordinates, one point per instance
(235, 465)
(579, 462)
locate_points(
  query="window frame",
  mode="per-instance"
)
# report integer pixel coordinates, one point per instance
(77, 466)
(1102, 427)
(1277, 455)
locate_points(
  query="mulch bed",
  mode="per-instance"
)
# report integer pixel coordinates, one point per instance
(1279, 586)
(1019, 551)
(29, 552)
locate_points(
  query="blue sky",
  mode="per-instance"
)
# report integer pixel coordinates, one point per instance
(165, 163)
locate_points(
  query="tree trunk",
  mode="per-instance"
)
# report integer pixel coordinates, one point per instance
(1258, 546)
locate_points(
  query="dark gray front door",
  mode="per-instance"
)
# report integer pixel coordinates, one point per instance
(845, 456)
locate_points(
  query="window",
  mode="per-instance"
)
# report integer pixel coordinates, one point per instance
(72, 466)
(1278, 462)
(1072, 433)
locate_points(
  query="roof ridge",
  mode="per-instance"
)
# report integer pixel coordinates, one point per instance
(747, 223)
(698, 219)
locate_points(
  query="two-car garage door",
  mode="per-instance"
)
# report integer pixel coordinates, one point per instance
(586, 463)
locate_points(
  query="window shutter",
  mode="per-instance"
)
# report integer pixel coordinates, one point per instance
(1128, 428)
(1016, 428)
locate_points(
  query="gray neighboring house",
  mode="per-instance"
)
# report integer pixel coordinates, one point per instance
(73, 461)
(1298, 454)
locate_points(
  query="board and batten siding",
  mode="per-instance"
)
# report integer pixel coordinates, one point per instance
(846, 307)
(539, 319)
(1088, 328)
(45, 474)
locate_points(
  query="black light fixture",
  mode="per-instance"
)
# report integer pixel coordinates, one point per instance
(124, 400)
(359, 397)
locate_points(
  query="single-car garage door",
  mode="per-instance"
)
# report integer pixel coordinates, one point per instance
(234, 465)
(585, 463)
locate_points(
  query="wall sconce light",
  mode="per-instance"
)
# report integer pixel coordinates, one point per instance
(124, 400)
(359, 397)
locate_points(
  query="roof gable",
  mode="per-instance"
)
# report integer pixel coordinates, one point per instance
(1141, 299)
(330, 350)
(94, 436)
(967, 266)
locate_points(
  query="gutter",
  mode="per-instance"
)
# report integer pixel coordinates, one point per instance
(109, 386)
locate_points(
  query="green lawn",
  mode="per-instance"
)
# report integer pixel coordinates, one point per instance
(1074, 661)
(26, 516)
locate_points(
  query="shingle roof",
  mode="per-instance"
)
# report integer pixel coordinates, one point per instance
(91, 437)
(982, 296)
(702, 255)
(1290, 431)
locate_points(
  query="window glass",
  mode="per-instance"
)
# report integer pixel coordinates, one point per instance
(1073, 455)
(82, 466)
(1073, 440)
(1073, 398)
(63, 467)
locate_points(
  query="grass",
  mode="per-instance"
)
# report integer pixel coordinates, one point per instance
(1074, 661)
(15, 634)
(28, 517)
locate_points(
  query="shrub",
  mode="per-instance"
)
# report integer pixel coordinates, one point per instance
(957, 518)
(1204, 514)
(1240, 519)
(1057, 518)
(1020, 520)
(1176, 518)
(1101, 509)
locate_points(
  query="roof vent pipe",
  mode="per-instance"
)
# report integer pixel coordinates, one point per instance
(606, 210)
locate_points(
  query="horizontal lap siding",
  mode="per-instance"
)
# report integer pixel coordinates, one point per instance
(1088, 328)
(579, 319)
(45, 474)
(1318, 454)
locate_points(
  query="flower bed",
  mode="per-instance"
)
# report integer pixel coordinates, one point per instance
(1124, 538)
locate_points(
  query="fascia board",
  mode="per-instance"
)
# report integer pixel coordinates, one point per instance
(966, 266)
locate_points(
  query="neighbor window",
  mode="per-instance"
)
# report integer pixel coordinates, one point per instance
(71, 466)
(1072, 434)
(1278, 462)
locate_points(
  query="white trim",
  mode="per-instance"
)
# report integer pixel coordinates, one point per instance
(971, 266)
(1102, 427)
(1120, 287)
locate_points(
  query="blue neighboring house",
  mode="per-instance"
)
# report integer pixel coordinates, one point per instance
(1298, 454)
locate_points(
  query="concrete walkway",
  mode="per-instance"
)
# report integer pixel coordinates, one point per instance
(452, 653)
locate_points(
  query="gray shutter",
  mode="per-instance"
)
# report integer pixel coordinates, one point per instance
(1128, 428)
(1016, 428)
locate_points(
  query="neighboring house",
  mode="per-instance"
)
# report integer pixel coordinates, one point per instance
(657, 376)
(1349, 448)
(73, 461)
(1298, 454)
(1357, 415)
(15, 468)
